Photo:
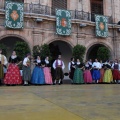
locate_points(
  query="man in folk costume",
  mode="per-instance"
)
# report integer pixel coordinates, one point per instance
(58, 65)
(96, 71)
(26, 69)
(3, 63)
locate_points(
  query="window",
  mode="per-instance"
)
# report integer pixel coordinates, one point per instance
(97, 6)
(60, 4)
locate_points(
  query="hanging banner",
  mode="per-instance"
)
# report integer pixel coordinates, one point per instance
(63, 22)
(14, 15)
(101, 25)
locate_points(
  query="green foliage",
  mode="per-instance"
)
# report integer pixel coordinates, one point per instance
(79, 52)
(41, 51)
(21, 49)
(103, 53)
(36, 51)
(4, 49)
(45, 51)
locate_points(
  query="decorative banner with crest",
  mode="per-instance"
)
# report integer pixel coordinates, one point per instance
(101, 25)
(14, 15)
(63, 22)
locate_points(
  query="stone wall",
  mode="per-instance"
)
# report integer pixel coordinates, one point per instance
(44, 32)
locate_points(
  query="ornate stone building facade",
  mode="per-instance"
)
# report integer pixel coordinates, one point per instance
(40, 24)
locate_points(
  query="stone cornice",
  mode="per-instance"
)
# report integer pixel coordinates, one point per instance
(53, 18)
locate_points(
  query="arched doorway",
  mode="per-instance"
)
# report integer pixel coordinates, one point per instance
(63, 48)
(9, 42)
(92, 51)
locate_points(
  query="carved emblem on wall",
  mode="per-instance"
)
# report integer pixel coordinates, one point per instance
(14, 15)
(102, 26)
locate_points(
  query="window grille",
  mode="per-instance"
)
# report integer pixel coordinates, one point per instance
(60, 4)
(97, 7)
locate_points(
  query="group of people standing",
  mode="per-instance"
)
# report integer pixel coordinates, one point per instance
(41, 74)
(79, 73)
(94, 72)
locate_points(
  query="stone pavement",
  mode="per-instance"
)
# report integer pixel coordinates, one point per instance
(60, 102)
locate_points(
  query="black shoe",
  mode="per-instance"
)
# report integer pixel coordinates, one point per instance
(59, 84)
(26, 84)
(54, 83)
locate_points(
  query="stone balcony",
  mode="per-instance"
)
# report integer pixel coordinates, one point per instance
(45, 12)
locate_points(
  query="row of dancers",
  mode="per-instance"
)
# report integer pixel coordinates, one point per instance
(96, 72)
(79, 73)
(41, 73)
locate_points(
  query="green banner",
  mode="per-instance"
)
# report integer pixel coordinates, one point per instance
(63, 22)
(14, 15)
(101, 25)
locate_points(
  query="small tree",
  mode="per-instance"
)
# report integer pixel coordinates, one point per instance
(41, 51)
(4, 49)
(45, 51)
(79, 52)
(21, 49)
(103, 53)
(36, 51)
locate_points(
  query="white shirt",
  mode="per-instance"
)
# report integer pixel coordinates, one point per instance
(69, 65)
(59, 63)
(90, 63)
(78, 63)
(86, 65)
(25, 61)
(46, 61)
(5, 59)
(119, 67)
(38, 61)
(96, 65)
(13, 56)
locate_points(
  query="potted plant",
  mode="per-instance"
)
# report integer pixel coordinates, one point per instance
(103, 53)
(42, 51)
(79, 52)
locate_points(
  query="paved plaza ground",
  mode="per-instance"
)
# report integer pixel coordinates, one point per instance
(60, 102)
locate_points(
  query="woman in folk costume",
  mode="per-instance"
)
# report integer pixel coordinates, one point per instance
(78, 74)
(108, 77)
(115, 67)
(13, 76)
(87, 73)
(38, 74)
(102, 71)
(119, 71)
(26, 70)
(58, 65)
(3, 63)
(71, 68)
(96, 71)
(47, 71)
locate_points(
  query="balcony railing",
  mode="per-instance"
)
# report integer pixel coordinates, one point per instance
(46, 10)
